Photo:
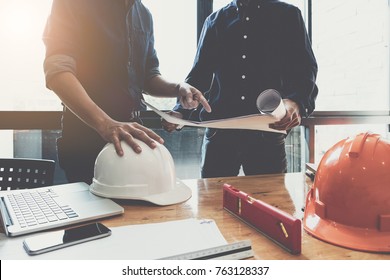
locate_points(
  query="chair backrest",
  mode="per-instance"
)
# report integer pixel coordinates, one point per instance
(22, 173)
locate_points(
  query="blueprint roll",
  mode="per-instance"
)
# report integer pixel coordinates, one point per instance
(270, 102)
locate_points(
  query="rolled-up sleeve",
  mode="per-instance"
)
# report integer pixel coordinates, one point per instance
(60, 38)
(56, 64)
(152, 63)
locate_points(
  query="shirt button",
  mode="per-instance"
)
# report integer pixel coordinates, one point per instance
(258, 6)
(242, 97)
(244, 56)
(247, 18)
(245, 36)
(243, 77)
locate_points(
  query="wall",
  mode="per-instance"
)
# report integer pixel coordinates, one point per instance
(351, 43)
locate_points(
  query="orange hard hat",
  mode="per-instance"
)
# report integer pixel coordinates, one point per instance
(349, 202)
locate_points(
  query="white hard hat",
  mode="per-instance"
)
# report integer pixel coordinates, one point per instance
(149, 175)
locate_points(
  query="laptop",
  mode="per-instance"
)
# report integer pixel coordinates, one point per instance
(31, 210)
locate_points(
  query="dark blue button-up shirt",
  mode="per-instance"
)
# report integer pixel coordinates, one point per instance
(113, 46)
(247, 47)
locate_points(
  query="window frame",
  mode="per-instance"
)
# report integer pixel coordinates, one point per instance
(51, 120)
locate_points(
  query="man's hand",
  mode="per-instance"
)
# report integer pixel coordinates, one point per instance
(170, 127)
(114, 131)
(291, 119)
(190, 97)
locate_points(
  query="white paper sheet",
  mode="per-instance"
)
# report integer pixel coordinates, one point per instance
(133, 242)
(269, 114)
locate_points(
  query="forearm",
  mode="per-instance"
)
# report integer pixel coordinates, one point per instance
(158, 86)
(189, 97)
(75, 98)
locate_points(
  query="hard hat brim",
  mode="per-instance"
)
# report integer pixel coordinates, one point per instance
(362, 239)
(180, 193)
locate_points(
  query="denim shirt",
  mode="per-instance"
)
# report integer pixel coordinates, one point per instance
(247, 47)
(113, 48)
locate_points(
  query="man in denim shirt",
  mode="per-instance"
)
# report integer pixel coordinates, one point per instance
(100, 57)
(245, 48)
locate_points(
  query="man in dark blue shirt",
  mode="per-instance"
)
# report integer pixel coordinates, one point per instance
(245, 48)
(100, 57)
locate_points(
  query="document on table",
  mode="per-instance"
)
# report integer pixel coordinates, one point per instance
(269, 103)
(133, 242)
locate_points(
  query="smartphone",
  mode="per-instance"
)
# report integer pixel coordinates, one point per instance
(63, 238)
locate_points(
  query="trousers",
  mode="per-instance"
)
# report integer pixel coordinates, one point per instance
(225, 151)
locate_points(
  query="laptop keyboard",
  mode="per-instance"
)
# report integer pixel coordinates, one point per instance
(38, 207)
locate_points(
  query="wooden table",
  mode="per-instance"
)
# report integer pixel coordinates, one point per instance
(284, 191)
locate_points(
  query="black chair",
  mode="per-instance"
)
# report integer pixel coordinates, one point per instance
(23, 173)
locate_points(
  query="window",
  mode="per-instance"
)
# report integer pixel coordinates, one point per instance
(175, 41)
(351, 43)
(22, 52)
(23, 87)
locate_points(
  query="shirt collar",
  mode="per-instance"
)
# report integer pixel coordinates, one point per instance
(130, 3)
(242, 4)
